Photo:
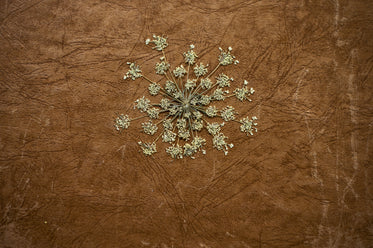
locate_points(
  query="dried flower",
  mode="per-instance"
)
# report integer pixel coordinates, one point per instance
(218, 94)
(198, 142)
(197, 125)
(167, 124)
(214, 128)
(165, 103)
(189, 149)
(184, 134)
(185, 103)
(168, 136)
(219, 141)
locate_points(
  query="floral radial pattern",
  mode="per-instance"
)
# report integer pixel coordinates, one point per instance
(186, 107)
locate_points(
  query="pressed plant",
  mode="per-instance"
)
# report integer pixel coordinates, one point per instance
(188, 94)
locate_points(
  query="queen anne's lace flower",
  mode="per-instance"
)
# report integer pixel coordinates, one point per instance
(214, 128)
(219, 141)
(218, 94)
(189, 149)
(186, 95)
(184, 134)
(165, 103)
(225, 57)
(197, 125)
(198, 142)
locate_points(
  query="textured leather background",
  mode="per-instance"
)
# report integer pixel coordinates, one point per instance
(68, 179)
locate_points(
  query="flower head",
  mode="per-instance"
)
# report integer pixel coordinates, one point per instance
(190, 84)
(149, 127)
(175, 151)
(248, 125)
(162, 67)
(200, 70)
(142, 104)
(160, 42)
(228, 113)
(185, 103)
(206, 83)
(154, 89)
(223, 80)
(179, 71)
(148, 148)
(225, 57)
(134, 71)
(190, 56)
(122, 122)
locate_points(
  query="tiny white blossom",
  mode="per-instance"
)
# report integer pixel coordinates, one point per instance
(122, 122)
(248, 126)
(228, 113)
(134, 71)
(148, 148)
(179, 71)
(149, 127)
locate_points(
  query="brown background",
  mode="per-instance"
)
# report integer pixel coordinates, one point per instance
(69, 180)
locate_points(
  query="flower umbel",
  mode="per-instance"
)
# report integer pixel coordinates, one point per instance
(186, 102)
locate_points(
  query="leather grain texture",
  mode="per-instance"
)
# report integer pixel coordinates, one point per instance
(68, 179)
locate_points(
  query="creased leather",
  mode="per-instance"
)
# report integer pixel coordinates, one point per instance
(68, 179)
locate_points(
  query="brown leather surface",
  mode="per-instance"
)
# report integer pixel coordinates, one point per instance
(68, 179)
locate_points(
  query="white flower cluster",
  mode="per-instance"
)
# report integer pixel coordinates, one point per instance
(186, 104)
